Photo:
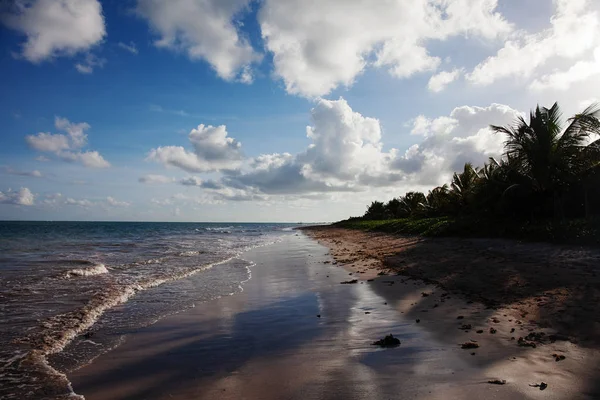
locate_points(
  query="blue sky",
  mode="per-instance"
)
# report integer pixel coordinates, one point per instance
(273, 110)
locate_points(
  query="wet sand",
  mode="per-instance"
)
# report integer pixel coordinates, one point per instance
(269, 342)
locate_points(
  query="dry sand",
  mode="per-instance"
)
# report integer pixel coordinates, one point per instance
(295, 332)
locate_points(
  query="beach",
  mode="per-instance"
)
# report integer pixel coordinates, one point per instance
(295, 331)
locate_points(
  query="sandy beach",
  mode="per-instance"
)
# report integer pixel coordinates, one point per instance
(297, 332)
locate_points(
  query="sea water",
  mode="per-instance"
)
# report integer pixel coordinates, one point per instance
(70, 291)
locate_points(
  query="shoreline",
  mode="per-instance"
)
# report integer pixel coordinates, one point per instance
(296, 332)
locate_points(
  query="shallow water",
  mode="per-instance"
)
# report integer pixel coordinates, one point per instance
(70, 291)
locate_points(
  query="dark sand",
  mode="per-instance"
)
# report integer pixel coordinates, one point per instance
(268, 343)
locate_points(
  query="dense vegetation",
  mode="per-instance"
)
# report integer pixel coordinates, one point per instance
(547, 179)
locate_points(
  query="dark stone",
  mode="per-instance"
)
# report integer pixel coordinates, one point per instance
(388, 341)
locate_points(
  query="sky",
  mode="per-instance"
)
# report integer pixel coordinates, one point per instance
(271, 110)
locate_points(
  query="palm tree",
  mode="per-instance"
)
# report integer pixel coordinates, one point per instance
(549, 157)
(410, 204)
(463, 186)
(376, 211)
(437, 201)
(392, 207)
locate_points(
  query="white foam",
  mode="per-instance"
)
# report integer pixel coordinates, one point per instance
(97, 269)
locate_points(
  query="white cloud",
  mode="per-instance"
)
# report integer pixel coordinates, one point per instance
(22, 197)
(111, 201)
(439, 81)
(213, 150)
(67, 146)
(56, 27)
(131, 47)
(48, 142)
(191, 181)
(246, 76)
(52, 199)
(204, 29)
(562, 80)
(155, 179)
(574, 31)
(450, 141)
(89, 63)
(80, 203)
(35, 173)
(90, 159)
(346, 153)
(319, 47)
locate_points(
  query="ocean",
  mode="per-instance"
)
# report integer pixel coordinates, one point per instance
(70, 291)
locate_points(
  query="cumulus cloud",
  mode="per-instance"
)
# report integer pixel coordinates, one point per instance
(319, 47)
(203, 29)
(22, 197)
(56, 27)
(562, 80)
(439, 81)
(212, 150)
(574, 31)
(346, 153)
(346, 148)
(451, 141)
(67, 146)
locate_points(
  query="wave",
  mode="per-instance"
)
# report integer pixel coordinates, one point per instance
(96, 269)
(190, 253)
(58, 331)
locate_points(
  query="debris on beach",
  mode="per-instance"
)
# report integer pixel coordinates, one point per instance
(492, 331)
(318, 315)
(370, 280)
(349, 282)
(542, 385)
(558, 357)
(460, 317)
(480, 331)
(526, 343)
(497, 381)
(424, 294)
(469, 345)
(382, 273)
(388, 341)
(418, 320)
(465, 327)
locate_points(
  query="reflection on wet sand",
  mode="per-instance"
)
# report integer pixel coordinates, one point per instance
(268, 343)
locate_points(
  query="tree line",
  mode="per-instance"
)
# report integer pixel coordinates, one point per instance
(548, 169)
